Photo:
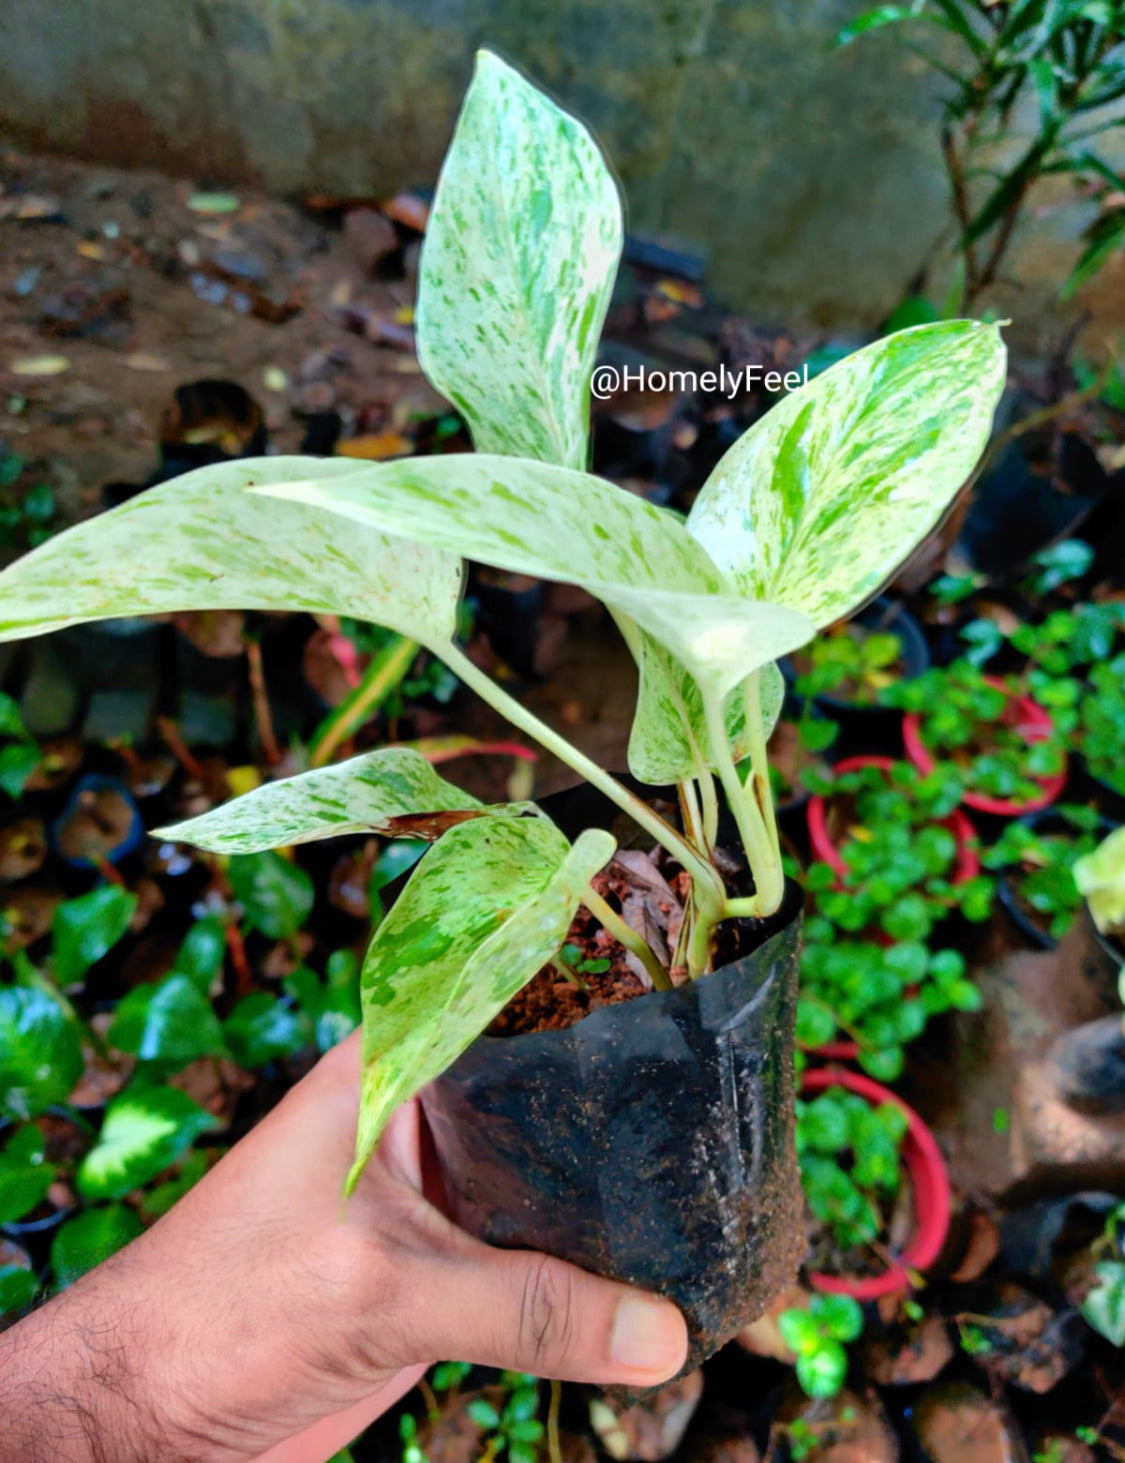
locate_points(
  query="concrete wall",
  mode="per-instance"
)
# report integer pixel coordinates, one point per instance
(812, 178)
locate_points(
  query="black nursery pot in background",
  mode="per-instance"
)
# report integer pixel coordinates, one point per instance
(652, 1142)
(870, 727)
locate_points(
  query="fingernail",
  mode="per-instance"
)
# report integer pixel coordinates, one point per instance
(648, 1336)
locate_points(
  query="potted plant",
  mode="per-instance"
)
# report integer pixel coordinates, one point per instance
(1002, 743)
(1035, 859)
(895, 858)
(845, 670)
(858, 1140)
(652, 1140)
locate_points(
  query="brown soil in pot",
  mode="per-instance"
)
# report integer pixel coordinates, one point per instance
(635, 887)
(549, 1002)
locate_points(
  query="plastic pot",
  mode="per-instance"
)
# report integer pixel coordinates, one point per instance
(1033, 721)
(127, 838)
(968, 865)
(652, 1142)
(1045, 822)
(1108, 800)
(943, 630)
(1113, 950)
(929, 1181)
(1089, 1067)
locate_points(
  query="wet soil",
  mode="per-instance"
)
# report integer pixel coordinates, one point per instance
(551, 1002)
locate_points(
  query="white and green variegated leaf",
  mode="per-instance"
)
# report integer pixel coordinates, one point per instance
(204, 541)
(143, 1131)
(669, 740)
(513, 513)
(718, 638)
(366, 794)
(1100, 877)
(819, 502)
(487, 907)
(557, 524)
(517, 267)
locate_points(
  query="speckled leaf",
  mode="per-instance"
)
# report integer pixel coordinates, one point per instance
(517, 268)
(819, 502)
(143, 1131)
(203, 542)
(361, 795)
(1100, 877)
(669, 720)
(720, 639)
(484, 910)
(559, 524)
(531, 517)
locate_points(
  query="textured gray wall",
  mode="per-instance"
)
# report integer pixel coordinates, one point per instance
(812, 178)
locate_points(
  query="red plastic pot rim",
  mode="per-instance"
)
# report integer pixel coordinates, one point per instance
(1032, 720)
(968, 865)
(929, 1179)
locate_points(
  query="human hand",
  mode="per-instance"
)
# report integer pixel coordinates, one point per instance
(263, 1319)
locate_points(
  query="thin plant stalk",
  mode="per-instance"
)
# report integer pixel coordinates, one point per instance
(689, 812)
(765, 864)
(625, 935)
(759, 762)
(710, 894)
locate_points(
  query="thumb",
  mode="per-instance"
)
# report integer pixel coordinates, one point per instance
(533, 1313)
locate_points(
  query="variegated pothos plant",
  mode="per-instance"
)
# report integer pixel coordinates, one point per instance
(801, 522)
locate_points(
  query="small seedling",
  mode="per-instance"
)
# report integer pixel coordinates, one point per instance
(817, 1337)
(850, 1158)
(853, 663)
(872, 965)
(967, 721)
(1042, 864)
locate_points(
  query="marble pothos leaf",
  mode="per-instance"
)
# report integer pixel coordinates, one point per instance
(519, 514)
(555, 523)
(203, 541)
(719, 638)
(487, 906)
(373, 793)
(517, 268)
(669, 737)
(822, 499)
